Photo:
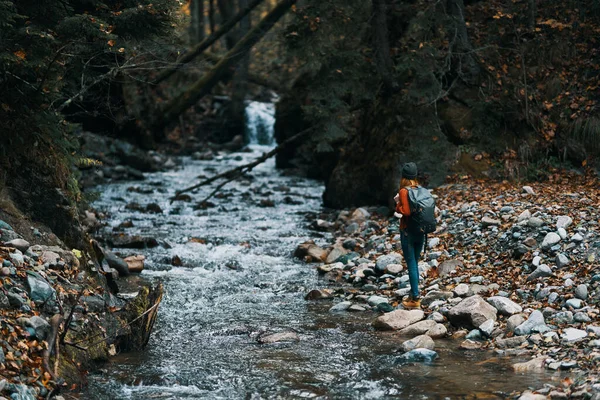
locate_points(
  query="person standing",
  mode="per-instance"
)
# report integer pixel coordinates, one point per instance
(412, 230)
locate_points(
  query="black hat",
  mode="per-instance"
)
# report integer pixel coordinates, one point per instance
(409, 170)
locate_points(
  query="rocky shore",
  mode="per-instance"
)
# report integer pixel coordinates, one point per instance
(59, 317)
(513, 269)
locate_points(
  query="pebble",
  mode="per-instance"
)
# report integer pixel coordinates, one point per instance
(577, 238)
(562, 233)
(574, 303)
(540, 272)
(564, 221)
(581, 291)
(343, 306)
(535, 320)
(572, 334)
(550, 240)
(562, 260)
(462, 289)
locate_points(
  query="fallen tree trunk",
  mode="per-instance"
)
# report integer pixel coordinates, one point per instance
(238, 171)
(205, 84)
(55, 322)
(206, 43)
(253, 78)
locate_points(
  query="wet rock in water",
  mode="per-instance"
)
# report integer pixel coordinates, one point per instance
(322, 225)
(398, 319)
(419, 342)
(470, 345)
(573, 335)
(387, 259)
(38, 289)
(116, 262)
(357, 307)
(133, 242)
(135, 264)
(448, 266)
(176, 261)
(542, 271)
(339, 307)
(266, 203)
(581, 291)
(319, 294)
(183, 197)
(20, 244)
(279, 337)
(438, 331)
(504, 305)
(418, 355)
(564, 221)
(534, 322)
(153, 208)
(550, 240)
(471, 312)
(535, 365)
(309, 251)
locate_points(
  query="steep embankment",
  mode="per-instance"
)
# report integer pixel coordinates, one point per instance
(511, 269)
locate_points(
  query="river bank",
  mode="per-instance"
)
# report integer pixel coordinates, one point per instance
(511, 269)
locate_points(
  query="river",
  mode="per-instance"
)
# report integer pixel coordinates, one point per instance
(238, 279)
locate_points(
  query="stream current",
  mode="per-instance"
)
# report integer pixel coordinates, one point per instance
(238, 279)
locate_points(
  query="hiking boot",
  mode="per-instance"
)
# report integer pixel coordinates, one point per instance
(411, 303)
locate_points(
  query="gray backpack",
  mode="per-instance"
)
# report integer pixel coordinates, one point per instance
(422, 211)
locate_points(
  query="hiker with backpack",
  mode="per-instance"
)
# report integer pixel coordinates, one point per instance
(416, 207)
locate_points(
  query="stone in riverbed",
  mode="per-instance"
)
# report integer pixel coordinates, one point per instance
(461, 290)
(418, 355)
(487, 221)
(581, 291)
(564, 221)
(562, 260)
(386, 259)
(540, 272)
(279, 337)
(504, 305)
(40, 326)
(572, 334)
(529, 395)
(117, 263)
(535, 222)
(511, 342)
(418, 342)
(470, 345)
(448, 266)
(339, 307)
(310, 251)
(4, 302)
(398, 319)
(418, 328)
(39, 290)
(17, 259)
(435, 295)
(574, 303)
(318, 294)
(133, 242)
(550, 240)
(535, 365)
(535, 320)
(471, 312)
(394, 269)
(487, 327)
(20, 244)
(525, 215)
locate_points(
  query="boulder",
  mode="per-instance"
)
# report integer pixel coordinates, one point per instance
(20, 244)
(39, 290)
(387, 259)
(39, 325)
(419, 342)
(116, 262)
(418, 328)
(310, 251)
(398, 319)
(471, 312)
(504, 305)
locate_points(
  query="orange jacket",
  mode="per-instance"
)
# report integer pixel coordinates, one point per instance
(403, 207)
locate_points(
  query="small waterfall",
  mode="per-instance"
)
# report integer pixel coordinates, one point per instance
(260, 121)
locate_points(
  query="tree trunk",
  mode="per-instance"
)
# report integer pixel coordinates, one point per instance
(237, 108)
(197, 23)
(227, 9)
(531, 12)
(381, 44)
(206, 43)
(467, 68)
(205, 84)
(211, 15)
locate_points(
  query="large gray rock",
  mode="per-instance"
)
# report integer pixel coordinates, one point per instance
(562, 260)
(20, 244)
(117, 263)
(448, 266)
(419, 342)
(387, 259)
(418, 355)
(534, 322)
(471, 312)
(504, 305)
(514, 321)
(581, 291)
(39, 290)
(435, 295)
(418, 328)
(573, 335)
(39, 324)
(398, 319)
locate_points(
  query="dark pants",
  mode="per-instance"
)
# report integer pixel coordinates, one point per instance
(412, 245)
